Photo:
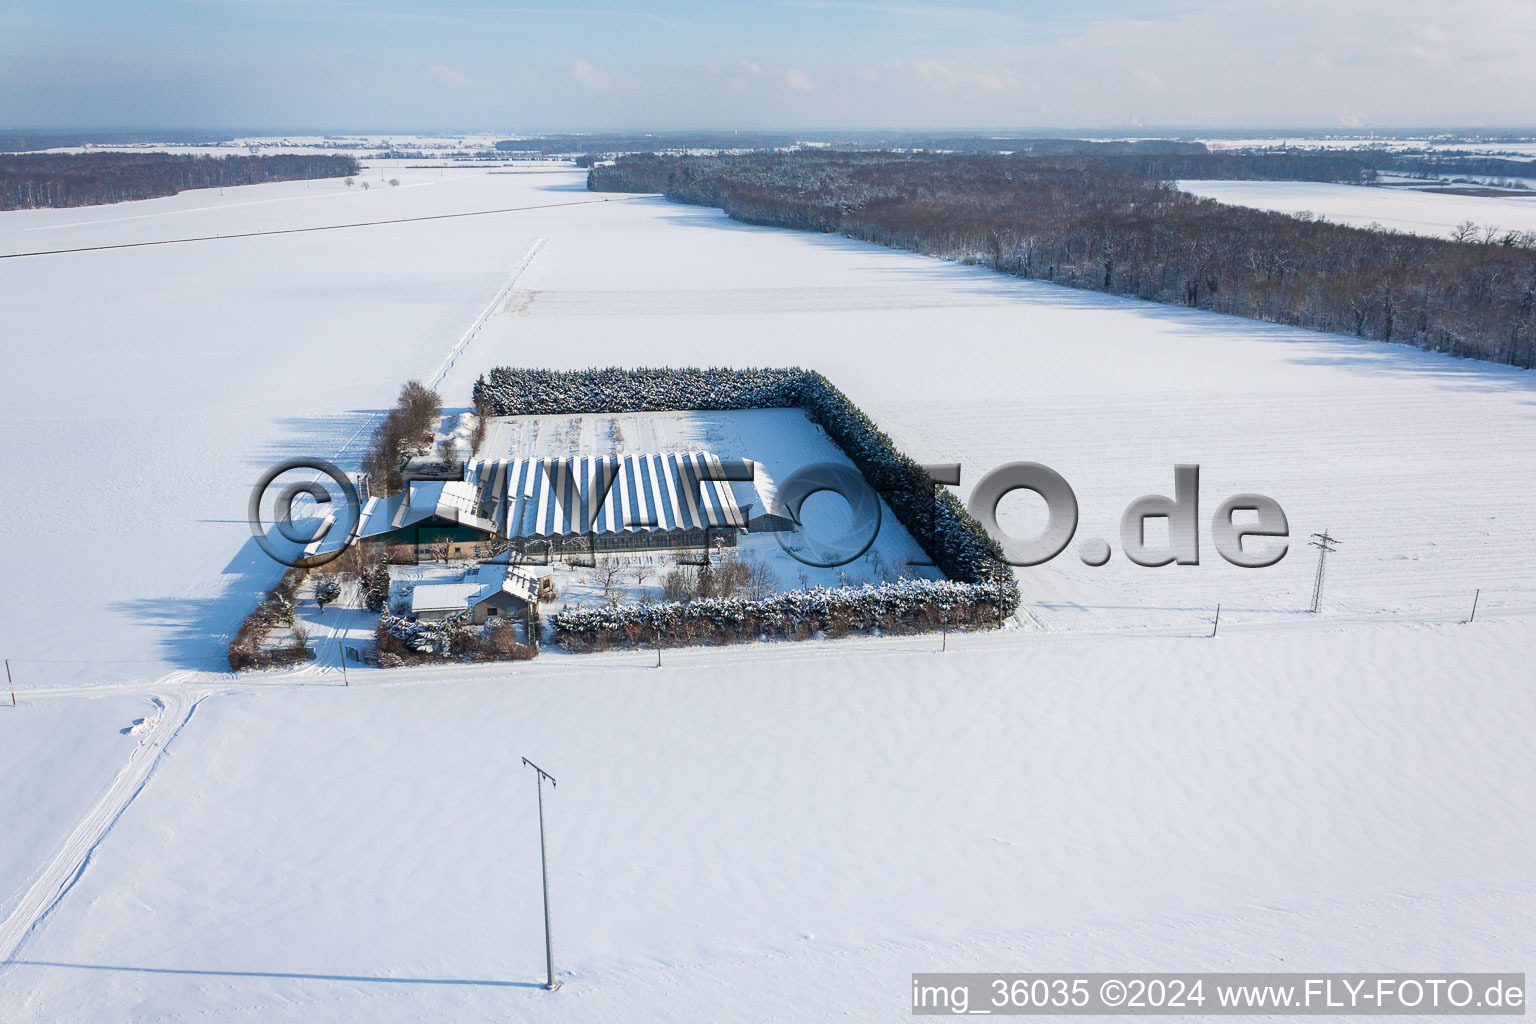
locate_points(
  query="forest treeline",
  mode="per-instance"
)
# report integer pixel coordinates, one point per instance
(1117, 224)
(35, 180)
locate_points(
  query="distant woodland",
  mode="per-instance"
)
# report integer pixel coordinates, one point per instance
(33, 180)
(1116, 223)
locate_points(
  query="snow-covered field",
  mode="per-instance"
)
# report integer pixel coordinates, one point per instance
(787, 832)
(1396, 209)
(1515, 149)
(770, 831)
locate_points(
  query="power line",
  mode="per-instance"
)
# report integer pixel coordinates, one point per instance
(323, 227)
(549, 954)
(1322, 542)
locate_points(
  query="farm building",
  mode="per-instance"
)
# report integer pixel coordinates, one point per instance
(496, 588)
(588, 504)
(629, 502)
(439, 519)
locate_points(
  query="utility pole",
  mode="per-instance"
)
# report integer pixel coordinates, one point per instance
(549, 953)
(1322, 542)
(1216, 624)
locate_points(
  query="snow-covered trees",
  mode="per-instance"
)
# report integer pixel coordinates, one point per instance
(30, 180)
(518, 392)
(327, 590)
(247, 648)
(898, 606)
(375, 582)
(407, 429)
(400, 640)
(1117, 223)
(439, 637)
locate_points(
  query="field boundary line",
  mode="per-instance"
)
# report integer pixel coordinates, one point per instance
(322, 227)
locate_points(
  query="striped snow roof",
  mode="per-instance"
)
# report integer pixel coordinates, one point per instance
(618, 494)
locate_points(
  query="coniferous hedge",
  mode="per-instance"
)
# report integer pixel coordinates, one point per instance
(895, 606)
(958, 545)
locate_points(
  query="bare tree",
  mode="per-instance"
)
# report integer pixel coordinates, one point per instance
(730, 576)
(449, 453)
(762, 582)
(681, 583)
(1466, 231)
(608, 572)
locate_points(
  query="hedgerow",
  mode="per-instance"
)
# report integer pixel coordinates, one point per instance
(897, 606)
(246, 648)
(956, 543)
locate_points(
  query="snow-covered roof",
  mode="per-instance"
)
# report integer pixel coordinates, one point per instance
(491, 577)
(453, 500)
(760, 493)
(618, 494)
(445, 597)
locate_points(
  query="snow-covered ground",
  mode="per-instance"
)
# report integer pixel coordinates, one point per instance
(1396, 209)
(55, 763)
(786, 831)
(779, 826)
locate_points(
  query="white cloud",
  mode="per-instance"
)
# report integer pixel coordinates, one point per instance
(877, 63)
(589, 75)
(934, 73)
(453, 78)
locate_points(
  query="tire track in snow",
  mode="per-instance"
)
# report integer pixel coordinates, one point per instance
(485, 314)
(69, 864)
(458, 347)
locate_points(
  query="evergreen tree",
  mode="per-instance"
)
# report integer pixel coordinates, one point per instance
(327, 589)
(376, 586)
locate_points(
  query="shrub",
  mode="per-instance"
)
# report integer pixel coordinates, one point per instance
(327, 590)
(276, 608)
(452, 639)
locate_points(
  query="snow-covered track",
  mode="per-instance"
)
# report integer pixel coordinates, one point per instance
(489, 311)
(175, 707)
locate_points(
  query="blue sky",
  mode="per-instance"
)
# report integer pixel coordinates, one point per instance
(481, 64)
